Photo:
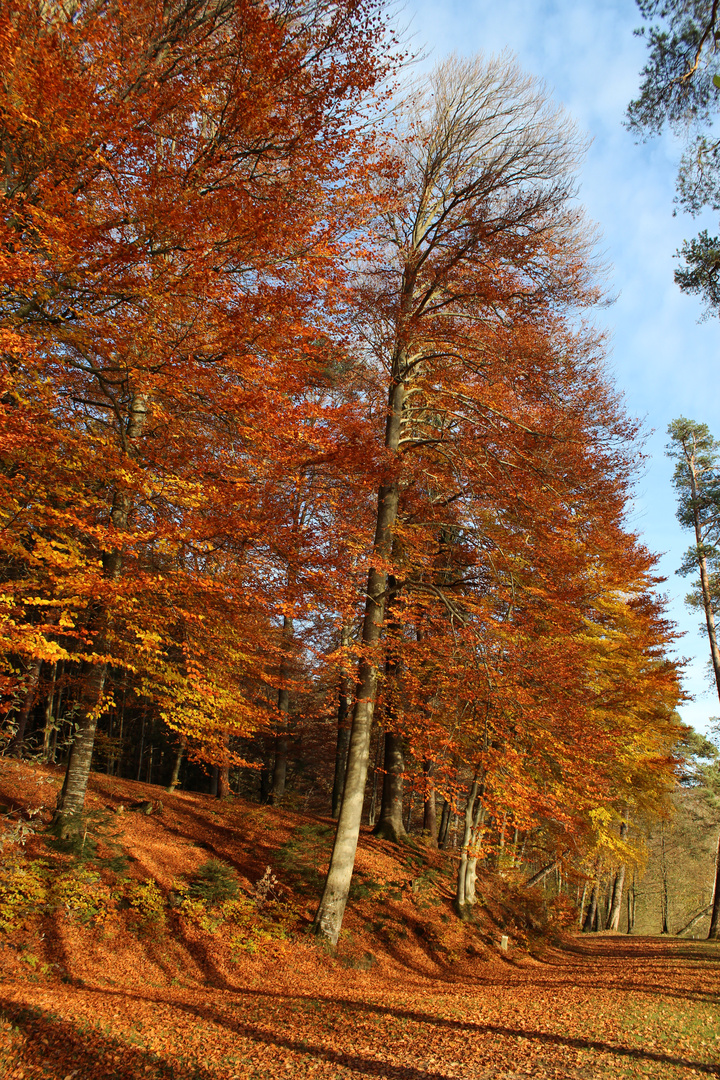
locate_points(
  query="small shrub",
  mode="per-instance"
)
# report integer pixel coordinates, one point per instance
(148, 903)
(214, 882)
(23, 891)
(82, 894)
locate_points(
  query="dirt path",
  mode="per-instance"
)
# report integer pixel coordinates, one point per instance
(607, 1007)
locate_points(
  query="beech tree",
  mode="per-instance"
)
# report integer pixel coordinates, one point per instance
(175, 211)
(483, 245)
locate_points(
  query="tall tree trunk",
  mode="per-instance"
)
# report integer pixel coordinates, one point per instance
(223, 790)
(343, 727)
(613, 921)
(714, 931)
(444, 824)
(379, 746)
(72, 797)
(704, 577)
(591, 916)
(142, 743)
(467, 870)
(328, 919)
(175, 777)
(664, 884)
(631, 906)
(581, 909)
(282, 740)
(49, 713)
(429, 809)
(390, 823)
(16, 743)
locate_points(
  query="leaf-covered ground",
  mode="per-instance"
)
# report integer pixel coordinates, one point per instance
(410, 995)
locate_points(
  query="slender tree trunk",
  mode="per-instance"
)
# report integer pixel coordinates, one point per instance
(223, 791)
(328, 919)
(429, 810)
(390, 823)
(714, 931)
(343, 728)
(631, 906)
(541, 874)
(591, 916)
(282, 740)
(664, 884)
(372, 808)
(142, 743)
(411, 806)
(696, 918)
(513, 858)
(444, 824)
(16, 743)
(581, 912)
(467, 870)
(49, 713)
(613, 922)
(72, 796)
(174, 779)
(613, 919)
(704, 577)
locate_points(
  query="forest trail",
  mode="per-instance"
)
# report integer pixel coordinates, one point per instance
(606, 1006)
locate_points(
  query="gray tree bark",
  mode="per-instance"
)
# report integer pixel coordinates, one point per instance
(429, 806)
(72, 797)
(343, 729)
(613, 921)
(282, 738)
(328, 918)
(390, 823)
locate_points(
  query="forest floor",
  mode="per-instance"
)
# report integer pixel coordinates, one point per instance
(109, 968)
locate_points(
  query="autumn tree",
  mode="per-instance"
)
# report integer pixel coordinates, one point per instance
(174, 211)
(483, 245)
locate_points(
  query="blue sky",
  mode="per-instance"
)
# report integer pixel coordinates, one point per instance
(664, 360)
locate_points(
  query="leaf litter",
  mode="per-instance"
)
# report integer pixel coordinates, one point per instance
(410, 994)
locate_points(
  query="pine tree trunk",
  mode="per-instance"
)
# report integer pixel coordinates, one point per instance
(328, 919)
(390, 823)
(704, 578)
(714, 931)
